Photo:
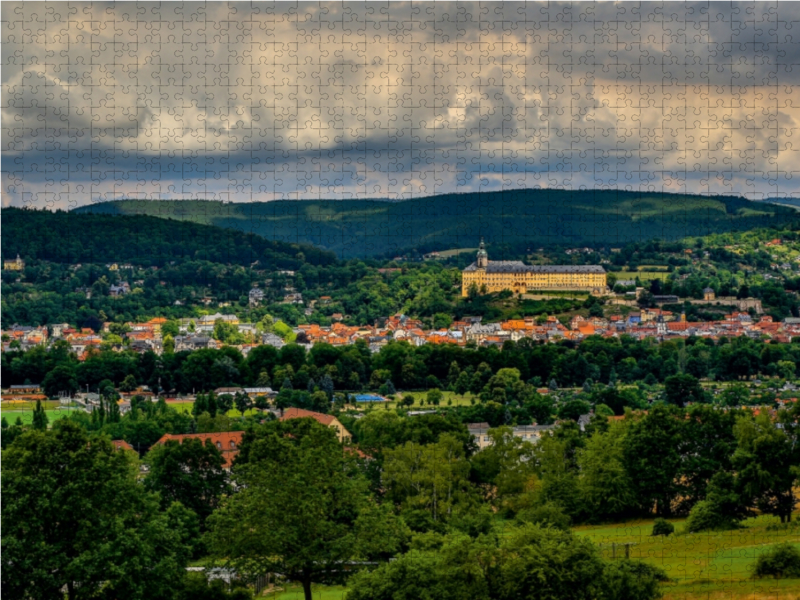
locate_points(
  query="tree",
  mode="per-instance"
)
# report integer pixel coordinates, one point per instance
(128, 384)
(652, 459)
(572, 409)
(430, 477)
(39, 417)
(604, 485)
(722, 509)
(506, 465)
(191, 472)
(434, 396)
(242, 402)
(764, 461)
(109, 532)
(682, 388)
(288, 472)
(60, 379)
(263, 379)
(461, 385)
(326, 385)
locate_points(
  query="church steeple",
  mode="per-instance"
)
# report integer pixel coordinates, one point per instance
(483, 257)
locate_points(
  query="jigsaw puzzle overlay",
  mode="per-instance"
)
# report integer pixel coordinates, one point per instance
(249, 103)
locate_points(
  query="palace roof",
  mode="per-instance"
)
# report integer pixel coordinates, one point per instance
(517, 266)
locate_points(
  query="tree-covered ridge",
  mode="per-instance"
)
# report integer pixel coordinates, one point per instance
(71, 238)
(362, 228)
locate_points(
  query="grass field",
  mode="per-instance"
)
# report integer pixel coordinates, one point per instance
(704, 565)
(643, 275)
(24, 410)
(320, 592)
(456, 251)
(455, 398)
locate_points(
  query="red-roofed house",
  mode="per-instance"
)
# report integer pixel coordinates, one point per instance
(327, 420)
(122, 445)
(227, 442)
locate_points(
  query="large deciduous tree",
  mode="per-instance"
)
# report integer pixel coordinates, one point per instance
(303, 508)
(766, 460)
(76, 519)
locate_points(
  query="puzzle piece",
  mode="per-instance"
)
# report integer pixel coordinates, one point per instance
(214, 105)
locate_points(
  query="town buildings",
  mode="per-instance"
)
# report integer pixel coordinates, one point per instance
(489, 276)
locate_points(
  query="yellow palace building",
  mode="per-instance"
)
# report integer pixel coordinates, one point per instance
(516, 276)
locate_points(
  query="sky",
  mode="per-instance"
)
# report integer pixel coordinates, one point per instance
(251, 102)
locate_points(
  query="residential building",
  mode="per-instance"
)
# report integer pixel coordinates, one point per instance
(327, 420)
(256, 296)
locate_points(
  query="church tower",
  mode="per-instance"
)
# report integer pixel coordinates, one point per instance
(483, 257)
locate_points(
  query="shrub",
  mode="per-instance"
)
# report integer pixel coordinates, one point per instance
(662, 527)
(546, 514)
(632, 580)
(705, 516)
(782, 560)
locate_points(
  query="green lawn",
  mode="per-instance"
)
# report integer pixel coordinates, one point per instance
(320, 592)
(446, 395)
(25, 411)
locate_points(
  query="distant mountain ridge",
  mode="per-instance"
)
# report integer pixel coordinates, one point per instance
(365, 228)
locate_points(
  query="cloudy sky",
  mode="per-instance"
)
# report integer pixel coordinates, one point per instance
(395, 100)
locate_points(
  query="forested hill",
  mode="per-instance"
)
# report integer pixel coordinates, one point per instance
(69, 237)
(361, 228)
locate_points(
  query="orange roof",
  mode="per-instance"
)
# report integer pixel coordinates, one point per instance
(158, 321)
(300, 413)
(227, 442)
(122, 445)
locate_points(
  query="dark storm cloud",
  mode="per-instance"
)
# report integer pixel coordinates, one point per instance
(393, 100)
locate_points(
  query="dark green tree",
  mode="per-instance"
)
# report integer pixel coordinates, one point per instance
(110, 537)
(191, 472)
(291, 470)
(682, 389)
(39, 417)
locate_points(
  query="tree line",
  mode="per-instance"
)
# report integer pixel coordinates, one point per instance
(623, 360)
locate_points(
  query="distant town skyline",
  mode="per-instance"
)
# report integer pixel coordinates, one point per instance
(345, 100)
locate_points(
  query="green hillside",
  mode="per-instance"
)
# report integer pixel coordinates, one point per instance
(352, 228)
(69, 238)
